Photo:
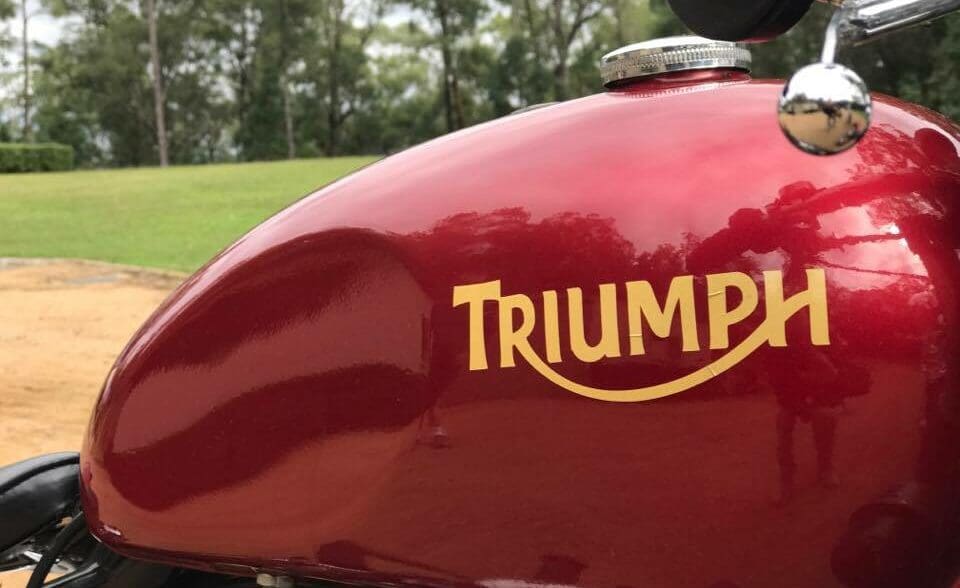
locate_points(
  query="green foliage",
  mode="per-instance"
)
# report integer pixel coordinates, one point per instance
(253, 80)
(404, 108)
(35, 157)
(7, 10)
(93, 91)
(174, 218)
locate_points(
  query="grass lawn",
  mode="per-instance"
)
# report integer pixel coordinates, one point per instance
(173, 218)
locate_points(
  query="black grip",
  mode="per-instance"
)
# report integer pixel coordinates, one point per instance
(740, 20)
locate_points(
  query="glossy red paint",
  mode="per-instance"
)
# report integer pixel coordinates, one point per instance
(278, 411)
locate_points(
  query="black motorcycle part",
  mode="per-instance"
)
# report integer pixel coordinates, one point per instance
(97, 566)
(35, 493)
(740, 20)
(74, 529)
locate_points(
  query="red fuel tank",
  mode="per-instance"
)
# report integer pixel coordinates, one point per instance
(635, 339)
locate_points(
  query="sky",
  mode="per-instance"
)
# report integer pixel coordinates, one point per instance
(46, 30)
(43, 29)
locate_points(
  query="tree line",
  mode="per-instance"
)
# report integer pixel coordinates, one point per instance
(155, 82)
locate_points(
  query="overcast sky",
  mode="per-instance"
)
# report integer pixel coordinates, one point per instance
(43, 29)
(46, 30)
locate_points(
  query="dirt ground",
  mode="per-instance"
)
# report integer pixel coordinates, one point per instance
(62, 323)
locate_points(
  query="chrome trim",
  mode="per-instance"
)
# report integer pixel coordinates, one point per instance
(831, 38)
(863, 20)
(671, 54)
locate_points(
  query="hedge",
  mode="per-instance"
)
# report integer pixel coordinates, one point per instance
(34, 157)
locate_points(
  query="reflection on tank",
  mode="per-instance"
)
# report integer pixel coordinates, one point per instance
(809, 388)
(555, 571)
(889, 542)
(812, 389)
(430, 432)
(346, 333)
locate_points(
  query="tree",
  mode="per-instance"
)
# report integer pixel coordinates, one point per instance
(137, 82)
(159, 96)
(567, 18)
(619, 23)
(286, 33)
(286, 46)
(663, 22)
(21, 8)
(453, 104)
(94, 96)
(396, 104)
(446, 23)
(553, 46)
(96, 86)
(343, 32)
(25, 65)
(67, 112)
(7, 11)
(260, 47)
(234, 28)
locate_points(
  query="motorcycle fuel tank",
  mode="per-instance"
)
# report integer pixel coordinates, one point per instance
(635, 339)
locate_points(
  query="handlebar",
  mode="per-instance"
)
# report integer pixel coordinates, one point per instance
(824, 108)
(867, 19)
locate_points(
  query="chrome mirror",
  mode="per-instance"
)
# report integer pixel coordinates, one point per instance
(825, 108)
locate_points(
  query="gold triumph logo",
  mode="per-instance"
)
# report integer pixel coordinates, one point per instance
(645, 315)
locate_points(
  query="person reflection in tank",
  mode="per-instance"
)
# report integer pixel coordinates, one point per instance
(798, 377)
(808, 386)
(899, 538)
(798, 382)
(804, 378)
(908, 536)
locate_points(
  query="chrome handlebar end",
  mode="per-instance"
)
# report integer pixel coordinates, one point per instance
(825, 108)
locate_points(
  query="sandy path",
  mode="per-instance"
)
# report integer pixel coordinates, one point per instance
(62, 323)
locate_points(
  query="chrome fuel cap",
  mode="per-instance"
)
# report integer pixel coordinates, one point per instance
(671, 54)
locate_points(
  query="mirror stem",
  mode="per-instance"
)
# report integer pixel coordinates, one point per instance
(831, 39)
